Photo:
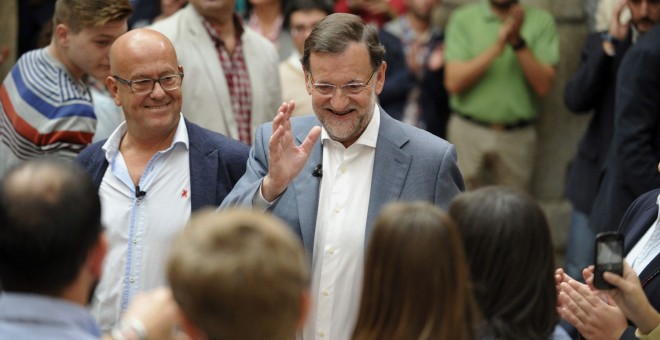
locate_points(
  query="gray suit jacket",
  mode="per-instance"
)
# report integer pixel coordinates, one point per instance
(410, 164)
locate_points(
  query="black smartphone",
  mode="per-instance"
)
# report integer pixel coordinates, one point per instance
(609, 257)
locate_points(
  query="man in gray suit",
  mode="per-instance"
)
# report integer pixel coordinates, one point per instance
(329, 191)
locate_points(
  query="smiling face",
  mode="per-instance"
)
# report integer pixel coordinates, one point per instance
(145, 54)
(86, 52)
(344, 116)
(645, 14)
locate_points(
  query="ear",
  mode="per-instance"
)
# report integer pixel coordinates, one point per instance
(380, 78)
(305, 302)
(62, 34)
(308, 86)
(189, 328)
(97, 255)
(113, 88)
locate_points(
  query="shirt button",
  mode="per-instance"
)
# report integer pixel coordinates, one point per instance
(134, 240)
(132, 279)
(343, 170)
(321, 333)
(331, 251)
(326, 293)
(337, 210)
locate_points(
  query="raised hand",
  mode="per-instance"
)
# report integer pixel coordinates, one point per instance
(286, 159)
(618, 30)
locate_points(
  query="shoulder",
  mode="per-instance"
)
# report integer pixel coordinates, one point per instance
(537, 15)
(92, 155)
(467, 11)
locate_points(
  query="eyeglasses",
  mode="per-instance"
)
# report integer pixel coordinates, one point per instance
(329, 89)
(144, 86)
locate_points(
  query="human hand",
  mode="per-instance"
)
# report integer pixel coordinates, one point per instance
(591, 316)
(158, 313)
(517, 15)
(437, 58)
(4, 54)
(617, 29)
(286, 158)
(630, 297)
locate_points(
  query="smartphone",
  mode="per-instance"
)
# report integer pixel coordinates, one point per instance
(609, 257)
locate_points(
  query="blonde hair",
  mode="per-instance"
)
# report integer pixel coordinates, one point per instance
(79, 14)
(239, 274)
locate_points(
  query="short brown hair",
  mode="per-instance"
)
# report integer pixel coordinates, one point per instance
(335, 32)
(79, 14)
(416, 280)
(239, 274)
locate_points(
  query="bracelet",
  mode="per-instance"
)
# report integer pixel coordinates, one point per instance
(519, 45)
(606, 36)
(131, 329)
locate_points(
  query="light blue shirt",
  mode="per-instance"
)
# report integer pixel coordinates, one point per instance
(32, 316)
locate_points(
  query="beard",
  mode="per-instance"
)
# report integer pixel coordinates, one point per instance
(503, 5)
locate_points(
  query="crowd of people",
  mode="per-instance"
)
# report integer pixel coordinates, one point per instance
(318, 169)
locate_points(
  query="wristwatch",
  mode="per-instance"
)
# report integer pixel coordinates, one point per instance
(519, 45)
(609, 43)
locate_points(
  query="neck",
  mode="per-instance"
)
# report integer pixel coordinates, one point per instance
(501, 12)
(267, 13)
(224, 24)
(56, 51)
(420, 25)
(147, 144)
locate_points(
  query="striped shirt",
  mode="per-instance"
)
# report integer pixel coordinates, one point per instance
(44, 111)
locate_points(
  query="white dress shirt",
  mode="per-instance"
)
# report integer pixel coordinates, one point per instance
(140, 230)
(339, 240)
(646, 248)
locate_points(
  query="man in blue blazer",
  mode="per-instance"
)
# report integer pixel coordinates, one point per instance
(153, 171)
(329, 191)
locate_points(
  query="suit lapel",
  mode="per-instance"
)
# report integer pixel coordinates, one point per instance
(203, 169)
(391, 165)
(306, 188)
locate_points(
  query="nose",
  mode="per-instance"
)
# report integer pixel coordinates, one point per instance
(644, 8)
(339, 100)
(157, 92)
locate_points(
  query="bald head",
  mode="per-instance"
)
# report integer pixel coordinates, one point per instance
(50, 218)
(140, 45)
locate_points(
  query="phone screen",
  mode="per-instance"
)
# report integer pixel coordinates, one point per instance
(609, 257)
(609, 252)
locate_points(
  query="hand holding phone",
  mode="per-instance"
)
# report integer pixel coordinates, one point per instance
(609, 257)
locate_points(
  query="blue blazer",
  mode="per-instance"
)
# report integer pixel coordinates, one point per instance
(410, 164)
(639, 217)
(217, 162)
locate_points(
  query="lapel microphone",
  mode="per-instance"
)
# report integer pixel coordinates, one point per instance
(139, 193)
(318, 170)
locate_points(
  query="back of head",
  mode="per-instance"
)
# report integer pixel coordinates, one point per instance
(50, 219)
(80, 14)
(336, 31)
(239, 275)
(509, 249)
(416, 280)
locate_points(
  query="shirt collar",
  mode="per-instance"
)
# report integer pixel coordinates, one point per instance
(215, 35)
(111, 146)
(368, 137)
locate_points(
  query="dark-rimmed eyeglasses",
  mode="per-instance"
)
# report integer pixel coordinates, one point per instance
(144, 86)
(329, 89)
